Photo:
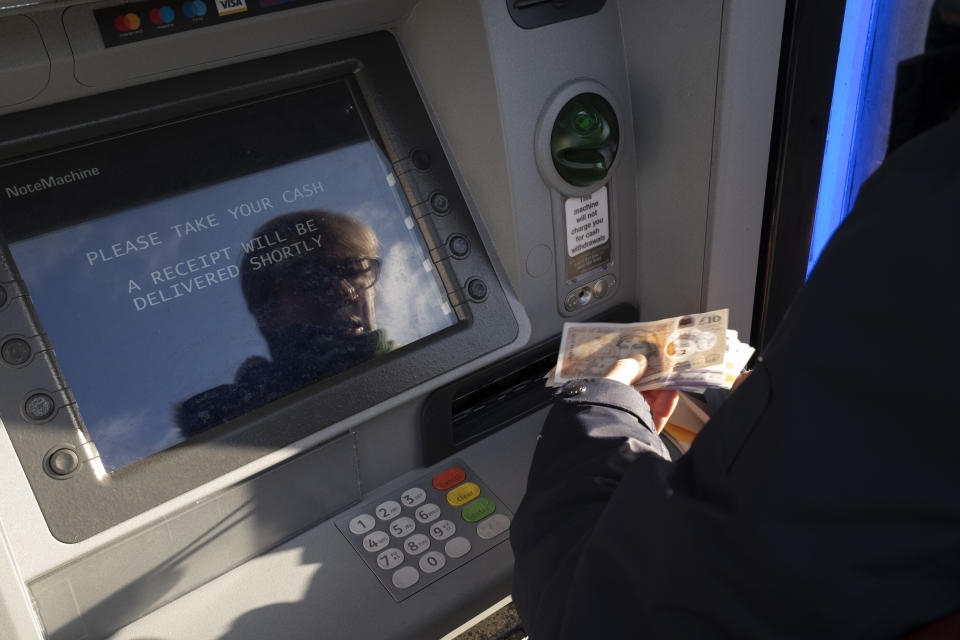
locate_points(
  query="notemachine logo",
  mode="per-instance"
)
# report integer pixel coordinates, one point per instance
(226, 7)
(51, 181)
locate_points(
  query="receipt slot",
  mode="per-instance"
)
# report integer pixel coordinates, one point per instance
(583, 143)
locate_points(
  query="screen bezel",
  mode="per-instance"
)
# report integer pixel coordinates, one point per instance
(87, 502)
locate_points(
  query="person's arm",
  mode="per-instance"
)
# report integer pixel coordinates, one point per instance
(594, 431)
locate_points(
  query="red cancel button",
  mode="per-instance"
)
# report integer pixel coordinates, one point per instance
(449, 478)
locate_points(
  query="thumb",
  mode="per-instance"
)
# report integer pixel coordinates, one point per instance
(627, 370)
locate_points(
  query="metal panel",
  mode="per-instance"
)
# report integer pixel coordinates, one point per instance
(672, 52)
(118, 584)
(24, 63)
(749, 46)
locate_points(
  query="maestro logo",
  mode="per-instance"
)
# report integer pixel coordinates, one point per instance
(226, 7)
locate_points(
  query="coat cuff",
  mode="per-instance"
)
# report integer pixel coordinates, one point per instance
(607, 393)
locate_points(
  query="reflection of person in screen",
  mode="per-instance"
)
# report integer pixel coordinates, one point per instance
(309, 285)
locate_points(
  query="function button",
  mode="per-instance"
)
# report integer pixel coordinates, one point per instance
(421, 159)
(443, 530)
(389, 559)
(449, 478)
(477, 289)
(413, 497)
(376, 541)
(604, 285)
(64, 461)
(405, 577)
(459, 247)
(362, 523)
(402, 527)
(432, 562)
(39, 406)
(427, 513)
(478, 510)
(416, 544)
(599, 289)
(457, 547)
(463, 494)
(493, 526)
(440, 203)
(388, 510)
(15, 351)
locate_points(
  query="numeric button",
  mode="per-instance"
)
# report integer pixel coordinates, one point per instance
(416, 544)
(413, 497)
(388, 510)
(389, 559)
(402, 527)
(432, 562)
(427, 513)
(376, 541)
(443, 530)
(361, 524)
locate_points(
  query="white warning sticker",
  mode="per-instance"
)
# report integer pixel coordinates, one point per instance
(588, 221)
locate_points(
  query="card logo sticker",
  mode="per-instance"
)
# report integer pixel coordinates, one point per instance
(227, 7)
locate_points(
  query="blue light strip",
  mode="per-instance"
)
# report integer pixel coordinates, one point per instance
(856, 44)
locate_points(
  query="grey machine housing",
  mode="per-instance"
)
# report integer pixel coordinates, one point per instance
(212, 538)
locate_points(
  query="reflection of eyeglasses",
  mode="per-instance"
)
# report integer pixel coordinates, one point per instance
(359, 273)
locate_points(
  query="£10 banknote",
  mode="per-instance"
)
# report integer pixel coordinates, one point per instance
(720, 376)
(672, 346)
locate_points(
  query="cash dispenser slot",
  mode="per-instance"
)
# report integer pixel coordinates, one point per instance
(478, 405)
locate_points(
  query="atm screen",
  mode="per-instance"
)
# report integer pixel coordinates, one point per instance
(291, 257)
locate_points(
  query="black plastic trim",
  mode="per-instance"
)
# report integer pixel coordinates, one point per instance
(808, 62)
(531, 14)
(465, 411)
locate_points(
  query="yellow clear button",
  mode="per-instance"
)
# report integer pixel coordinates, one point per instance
(463, 494)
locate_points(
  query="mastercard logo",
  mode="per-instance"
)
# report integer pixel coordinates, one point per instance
(127, 22)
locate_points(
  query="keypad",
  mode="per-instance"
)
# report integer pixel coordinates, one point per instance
(427, 529)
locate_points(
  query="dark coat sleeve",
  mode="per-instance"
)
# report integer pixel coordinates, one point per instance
(595, 429)
(821, 500)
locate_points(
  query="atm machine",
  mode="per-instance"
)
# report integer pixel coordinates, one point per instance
(280, 280)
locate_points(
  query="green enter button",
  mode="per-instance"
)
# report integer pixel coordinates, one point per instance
(478, 510)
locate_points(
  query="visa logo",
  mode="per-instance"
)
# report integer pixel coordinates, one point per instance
(226, 7)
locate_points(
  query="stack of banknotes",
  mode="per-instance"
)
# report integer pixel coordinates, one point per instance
(688, 353)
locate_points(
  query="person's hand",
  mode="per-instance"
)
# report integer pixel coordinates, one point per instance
(662, 402)
(740, 378)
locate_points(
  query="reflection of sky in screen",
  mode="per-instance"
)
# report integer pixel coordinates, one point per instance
(129, 367)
